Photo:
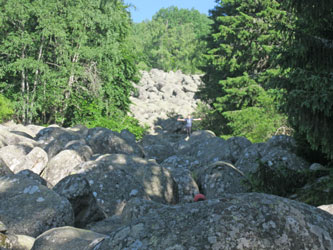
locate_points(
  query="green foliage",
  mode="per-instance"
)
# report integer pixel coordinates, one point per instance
(211, 119)
(118, 122)
(317, 192)
(277, 180)
(90, 113)
(6, 109)
(56, 53)
(307, 76)
(312, 187)
(239, 60)
(172, 40)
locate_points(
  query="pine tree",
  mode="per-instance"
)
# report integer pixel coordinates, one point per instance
(239, 55)
(307, 79)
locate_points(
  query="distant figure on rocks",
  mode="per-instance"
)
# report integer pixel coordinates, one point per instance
(199, 197)
(188, 125)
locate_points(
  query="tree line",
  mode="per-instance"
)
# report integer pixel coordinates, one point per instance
(67, 62)
(266, 64)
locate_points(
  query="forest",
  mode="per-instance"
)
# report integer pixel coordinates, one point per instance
(266, 65)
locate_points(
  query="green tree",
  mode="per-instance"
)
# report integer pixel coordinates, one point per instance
(6, 109)
(55, 54)
(172, 40)
(307, 79)
(239, 57)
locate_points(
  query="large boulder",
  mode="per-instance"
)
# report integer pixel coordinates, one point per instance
(61, 165)
(81, 148)
(156, 180)
(33, 176)
(7, 137)
(105, 141)
(106, 226)
(77, 190)
(184, 177)
(4, 170)
(36, 160)
(327, 208)
(206, 147)
(28, 208)
(237, 145)
(16, 241)
(219, 178)
(14, 156)
(281, 141)
(53, 139)
(112, 186)
(68, 238)
(248, 160)
(276, 157)
(158, 147)
(29, 131)
(238, 221)
(117, 178)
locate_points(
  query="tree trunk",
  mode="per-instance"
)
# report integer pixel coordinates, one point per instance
(23, 89)
(36, 81)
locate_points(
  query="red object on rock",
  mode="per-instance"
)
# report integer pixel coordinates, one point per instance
(199, 197)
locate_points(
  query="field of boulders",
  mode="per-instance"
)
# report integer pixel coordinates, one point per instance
(93, 188)
(80, 188)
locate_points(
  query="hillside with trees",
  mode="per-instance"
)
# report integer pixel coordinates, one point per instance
(172, 40)
(239, 55)
(67, 62)
(266, 65)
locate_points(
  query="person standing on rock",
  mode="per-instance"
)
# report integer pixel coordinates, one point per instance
(189, 120)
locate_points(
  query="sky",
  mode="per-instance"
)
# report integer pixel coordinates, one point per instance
(145, 9)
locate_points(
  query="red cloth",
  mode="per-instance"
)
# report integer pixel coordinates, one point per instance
(199, 197)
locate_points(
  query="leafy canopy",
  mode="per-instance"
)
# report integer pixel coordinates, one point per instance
(61, 58)
(172, 40)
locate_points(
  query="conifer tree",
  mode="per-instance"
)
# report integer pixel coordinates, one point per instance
(307, 79)
(239, 52)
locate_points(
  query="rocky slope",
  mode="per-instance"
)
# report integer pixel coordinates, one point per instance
(160, 95)
(79, 188)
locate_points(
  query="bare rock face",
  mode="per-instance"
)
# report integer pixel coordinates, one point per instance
(28, 208)
(239, 221)
(68, 238)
